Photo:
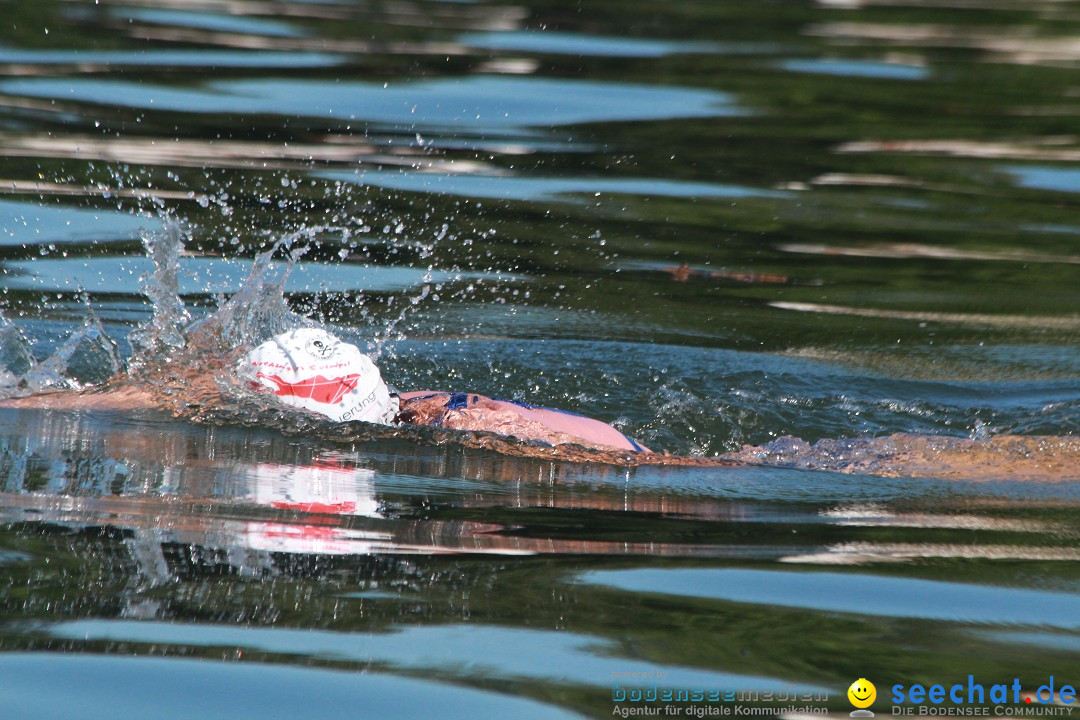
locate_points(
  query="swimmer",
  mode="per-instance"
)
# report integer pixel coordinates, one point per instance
(314, 371)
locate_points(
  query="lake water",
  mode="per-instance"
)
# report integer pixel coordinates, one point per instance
(710, 223)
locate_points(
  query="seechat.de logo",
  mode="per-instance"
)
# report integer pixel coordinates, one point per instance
(1001, 697)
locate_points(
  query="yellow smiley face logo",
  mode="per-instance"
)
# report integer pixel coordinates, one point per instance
(862, 693)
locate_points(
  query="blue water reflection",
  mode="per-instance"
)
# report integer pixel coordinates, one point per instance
(1043, 177)
(469, 650)
(478, 103)
(95, 686)
(542, 188)
(857, 68)
(207, 276)
(24, 223)
(1049, 641)
(173, 58)
(562, 43)
(852, 593)
(211, 21)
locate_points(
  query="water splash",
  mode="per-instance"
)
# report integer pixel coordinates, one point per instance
(164, 333)
(180, 339)
(168, 342)
(390, 332)
(16, 358)
(255, 313)
(88, 357)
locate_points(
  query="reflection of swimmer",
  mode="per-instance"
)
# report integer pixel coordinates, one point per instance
(323, 488)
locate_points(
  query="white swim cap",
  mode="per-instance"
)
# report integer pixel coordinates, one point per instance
(312, 369)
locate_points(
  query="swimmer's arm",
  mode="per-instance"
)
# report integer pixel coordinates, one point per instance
(482, 414)
(122, 397)
(171, 391)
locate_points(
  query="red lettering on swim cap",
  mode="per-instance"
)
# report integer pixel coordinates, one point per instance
(318, 388)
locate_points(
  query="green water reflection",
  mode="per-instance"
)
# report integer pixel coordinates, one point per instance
(710, 222)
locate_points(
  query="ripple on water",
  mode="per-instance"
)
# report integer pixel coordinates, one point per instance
(473, 650)
(94, 686)
(857, 68)
(564, 43)
(26, 223)
(670, 396)
(504, 187)
(210, 21)
(1046, 177)
(1045, 640)
(855, 593)
(209, 276)
(478, 104)
(170, 58)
